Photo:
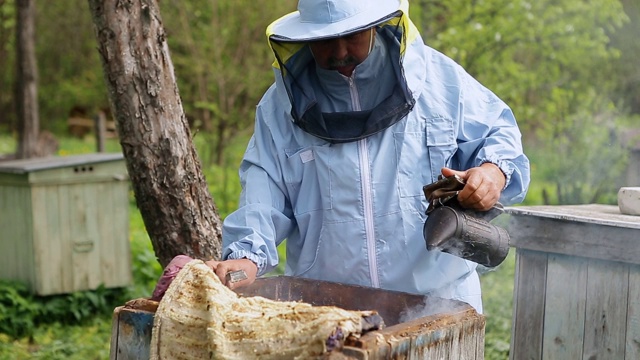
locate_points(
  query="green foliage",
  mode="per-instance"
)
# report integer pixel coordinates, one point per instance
(21, 312)
(68, 146)
(628, 74)
(589, 161)
(8, 144)
(17, 311)
(56, 341)
(222, 63)
(146, 268)
(552, 63)
(223, 179)
(542, 57)
(497, 297)
(69, 65)
(282, 255)
(7, 14)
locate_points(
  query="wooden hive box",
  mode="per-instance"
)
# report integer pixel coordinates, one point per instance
(577, 285)
(65, 223)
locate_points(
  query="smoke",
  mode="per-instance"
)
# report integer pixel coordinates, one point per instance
(432, 305)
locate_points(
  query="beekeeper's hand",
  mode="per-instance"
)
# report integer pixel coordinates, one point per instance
(483, 186)
(222, 268)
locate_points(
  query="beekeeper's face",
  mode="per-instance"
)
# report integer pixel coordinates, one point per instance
(343, 53)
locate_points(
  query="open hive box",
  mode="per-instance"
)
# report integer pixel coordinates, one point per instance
(417, 327)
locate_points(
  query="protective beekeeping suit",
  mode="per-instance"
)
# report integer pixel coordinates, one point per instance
(362, 114)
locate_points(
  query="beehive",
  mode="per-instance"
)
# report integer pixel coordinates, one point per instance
(577, 282)
(418, 327)
(65, 223)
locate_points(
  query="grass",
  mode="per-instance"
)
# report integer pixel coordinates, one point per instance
(85, 341)
(90, 339)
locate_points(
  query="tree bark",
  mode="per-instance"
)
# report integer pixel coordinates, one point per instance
(169, 186)
(26, 80)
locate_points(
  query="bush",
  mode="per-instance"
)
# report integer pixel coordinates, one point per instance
(22, 312)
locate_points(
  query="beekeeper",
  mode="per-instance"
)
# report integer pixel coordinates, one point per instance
(362, 114)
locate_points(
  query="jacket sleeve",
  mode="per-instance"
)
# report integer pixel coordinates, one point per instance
(488, 132)
(264, 217)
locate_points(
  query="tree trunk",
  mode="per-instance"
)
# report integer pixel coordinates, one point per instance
(170, 189)
(26, 80)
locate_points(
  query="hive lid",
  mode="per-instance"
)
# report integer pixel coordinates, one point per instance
(598, 214)
(37, 164)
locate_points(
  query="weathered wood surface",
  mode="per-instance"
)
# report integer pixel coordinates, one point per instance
(607, 295)
(65, 223)
(564, 311)
(529, 301)
(130, 334)
(38, 164)
(632, 346)
(16, 222)
(606, 235)
(578, 276)
(598, 214)
(455, 335)
(76, 169)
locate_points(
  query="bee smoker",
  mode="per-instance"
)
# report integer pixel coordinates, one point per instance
(465, 233)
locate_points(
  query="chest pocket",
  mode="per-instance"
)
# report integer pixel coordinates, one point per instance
(308, 178)
(421, 154)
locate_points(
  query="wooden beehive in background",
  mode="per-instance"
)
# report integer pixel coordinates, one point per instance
(64, 223)
(577, 285)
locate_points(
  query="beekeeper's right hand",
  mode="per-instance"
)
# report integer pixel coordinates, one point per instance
(222, 268)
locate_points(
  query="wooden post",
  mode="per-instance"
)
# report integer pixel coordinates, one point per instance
(101, 130)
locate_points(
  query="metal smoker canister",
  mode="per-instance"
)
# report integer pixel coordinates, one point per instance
(470, 238)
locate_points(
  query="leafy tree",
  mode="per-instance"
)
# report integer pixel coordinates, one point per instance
(627, 74)
(587, 159)
(540, 56)
(553, 63)
(68, 68)
(70, 72)
(223, 62)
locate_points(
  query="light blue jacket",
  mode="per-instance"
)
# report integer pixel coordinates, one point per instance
(353, 212)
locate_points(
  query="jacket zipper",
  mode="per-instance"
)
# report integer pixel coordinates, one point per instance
(367, 197)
